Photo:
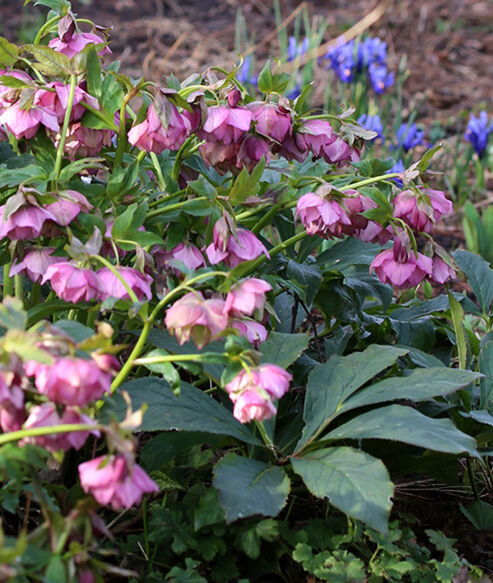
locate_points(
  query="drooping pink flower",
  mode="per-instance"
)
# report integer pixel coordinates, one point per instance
(225, 124)
(76, 42)
(26, 222)
(183, 254)
(34, 263)
(193, 317)
(439, 203)
(68, 205)
(233, 247)
(46, 415)
(318, 136)
(72, 283)
(24, 123)
(111, 481)
(375, 233)
(413, 209)
(272, 120)
(12, 411)
(356, 204)
(70, 381)
(152, 136)
(222, 156)
(140, 283)
(253, 331)
(56, 100)
(441, 271)
(401, 268)
(252, 149)
(84, 142)
(246, 297)
(321, 216)
(250, 405)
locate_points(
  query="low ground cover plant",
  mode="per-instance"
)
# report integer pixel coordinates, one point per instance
(207, 322)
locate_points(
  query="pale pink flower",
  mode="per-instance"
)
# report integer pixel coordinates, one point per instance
(72, 283)
(253, 331)
(56, 101)
(111, 481)
(34, 263)
(46, 415)
(439, 203)
(250, 405)
(12, 412)
(140, 283)
(9, 95)
(318, 136)
(84, 142)
(193, 317)
(246, 297)
(321, 216)
(76, 43)
(70, 381)
(272, 121)
(183, 254)
(414, 210)
(68, 205)
(225, 124)
(400, 268)
(356, 204)
(24, 123)
(151, 135)
(26, 222)
(441, 271)
(375, 233)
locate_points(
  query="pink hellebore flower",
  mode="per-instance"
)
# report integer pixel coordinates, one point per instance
(24, 223)
(152, 136)
(253, 331)
(70, 381)
(222, 156)
(69, 204)
(110, 480)
(72, 283)
(57, 101)
(321, 216)
(439, 203)
(441, 271)
(225, 124)
(12, 411)
(272, 121)
(183, 254)
(46, 416)
(246, 297)
(84, 142)
(24, 123)
(318, 136)
(193, 317)
(35, 263)
(76, 43)
(9, 95)
(400, 268)
(250, 405)
(413, 210)
(138, 282)
(252, 149)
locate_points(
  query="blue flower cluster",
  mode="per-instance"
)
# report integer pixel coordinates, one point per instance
(478, 131)
(354, 57)
(295, 49)
(407, 137)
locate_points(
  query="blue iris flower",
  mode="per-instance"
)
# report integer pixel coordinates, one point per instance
(371, 51)
(244, 75)
(373, 123)
(478, 131)
(295, 49)
(343, 62)
(380, 78)
(408, 136)
(397, 167)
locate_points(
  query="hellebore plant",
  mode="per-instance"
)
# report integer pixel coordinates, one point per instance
(177, 249)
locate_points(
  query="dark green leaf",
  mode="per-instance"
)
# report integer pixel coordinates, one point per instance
(8, 53)
(308, 276)
(112, 95)
(283, 349)
(479, 275)
(162, 448)
(12, 314)
(353, 481)
(486, 367)
(49, 61)
(193, 410)
(248, 487)
(77, 331)
(373, 166)
(246, 184)
(94, 83)
(480, 513)
(399, 423)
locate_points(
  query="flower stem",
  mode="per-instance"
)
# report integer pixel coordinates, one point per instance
(175, 172)
(39, 431)
(159, 173)
(44, 28)
(7, 281)
(66, 121)
(371, 180)
(117, 274)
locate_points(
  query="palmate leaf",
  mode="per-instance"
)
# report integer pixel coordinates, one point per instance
(399, 423)
(248, 487)
(331, 383)
(353, 481)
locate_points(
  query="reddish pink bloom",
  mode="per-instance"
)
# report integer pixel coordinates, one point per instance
(375, 233)
(139, 283)
(76, 43)
(12, 412)
(253, 331)
(356, 204)
(8, 95)
(24, 123)
(225, 124)
(318, 136)
(56, 101)
(252, 149)
(414, 210)
(233, 248)
(46, 416)
(441, 271)
(84, 142)
(111, 481)
(35, 263)
(72, 283)
(222, 156)
(193, 317)
(246, 297)
(401, 269)
(70, 381)
(439, 203)
(272, 121)
(69, 204)
(26, 222)
(152, 136)
(321, 216)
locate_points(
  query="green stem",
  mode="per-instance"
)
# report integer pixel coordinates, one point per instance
(170, 358)
(35, 293)
(159, 172)
(66, 121)
(122, 138)
(8, 289)
(266, 219)
(370, 181)
(43, 29)
(39, 431)
(172, 207)
(117, 274)
(18, 285)
(277, 249)
(139, 346)
(175, 172)
(263, 434)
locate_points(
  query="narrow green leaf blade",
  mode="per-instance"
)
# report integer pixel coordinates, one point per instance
(247, 487)
(353, 481)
